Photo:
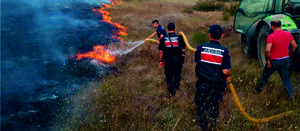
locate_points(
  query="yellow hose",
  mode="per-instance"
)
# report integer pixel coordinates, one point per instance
(238, 103)
(152, 40)
(188, 46)
(236, 98)
(184, 38)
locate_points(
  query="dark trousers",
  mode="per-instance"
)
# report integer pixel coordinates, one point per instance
(173, 71)
(207, 99)
(283, 68)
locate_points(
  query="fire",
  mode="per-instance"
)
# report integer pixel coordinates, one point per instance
(99, 53)
(106, 18)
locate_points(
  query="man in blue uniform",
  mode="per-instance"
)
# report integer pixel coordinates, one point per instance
(171, 55)
(212, 70)
(160, 31)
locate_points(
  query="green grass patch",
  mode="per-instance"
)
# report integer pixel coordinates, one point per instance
(200, 38)
(226, 16)
(187, 11)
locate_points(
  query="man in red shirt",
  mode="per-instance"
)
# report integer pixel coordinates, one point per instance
(277, 57)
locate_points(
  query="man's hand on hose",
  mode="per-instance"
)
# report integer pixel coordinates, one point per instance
(151, 36)
(226, 72)
(161, 64)
(228, 79)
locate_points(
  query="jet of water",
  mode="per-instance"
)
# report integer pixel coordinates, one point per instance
(121, 52)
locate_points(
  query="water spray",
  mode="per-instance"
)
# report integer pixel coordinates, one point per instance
(121, 52)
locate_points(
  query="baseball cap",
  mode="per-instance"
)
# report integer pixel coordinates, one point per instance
(215, 29)
(171, 26)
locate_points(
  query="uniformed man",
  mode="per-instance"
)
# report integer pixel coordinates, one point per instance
(171, 57)
(212, 70)
(160, 31)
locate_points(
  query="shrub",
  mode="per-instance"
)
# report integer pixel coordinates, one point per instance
(200, 37)
(208, 6)
(231, 10)
(226, 16)
(187, 10)
(217, 6)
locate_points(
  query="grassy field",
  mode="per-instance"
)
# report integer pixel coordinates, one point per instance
(135, 96)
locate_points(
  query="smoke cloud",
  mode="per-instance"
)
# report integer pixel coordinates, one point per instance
(37, 39)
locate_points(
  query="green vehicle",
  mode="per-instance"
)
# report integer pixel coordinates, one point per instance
(253, 20)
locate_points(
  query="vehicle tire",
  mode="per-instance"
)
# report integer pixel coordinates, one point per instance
(247, 47)
(261, 44)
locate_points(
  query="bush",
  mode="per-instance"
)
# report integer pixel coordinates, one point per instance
(200, 38)
(217, 6)
(226, 16)
(187, 10)
(231, 10)
(208, 6)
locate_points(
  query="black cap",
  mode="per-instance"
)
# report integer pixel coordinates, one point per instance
(171, 26)
(215, 29)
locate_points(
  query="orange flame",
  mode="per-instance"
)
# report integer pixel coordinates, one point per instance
(99, 53)
(106, 18)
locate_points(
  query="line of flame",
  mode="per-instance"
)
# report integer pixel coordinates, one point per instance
(99, 52)
(122, 31)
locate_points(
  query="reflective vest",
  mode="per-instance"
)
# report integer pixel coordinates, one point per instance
(173, 51)
(210, 65)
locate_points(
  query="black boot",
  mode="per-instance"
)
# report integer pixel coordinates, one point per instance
(171, 90)
(177, 87)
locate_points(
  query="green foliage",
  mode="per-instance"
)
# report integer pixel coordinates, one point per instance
(231, 10)
(187, 10)
(228, 10)
(200, 38)
(208, 6)
(226, 16)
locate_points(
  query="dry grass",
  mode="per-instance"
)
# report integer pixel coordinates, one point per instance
(135, 97)
(137, 17)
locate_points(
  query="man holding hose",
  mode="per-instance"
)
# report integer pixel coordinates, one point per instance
(160, 31)
(171, 56)
(212, 70)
